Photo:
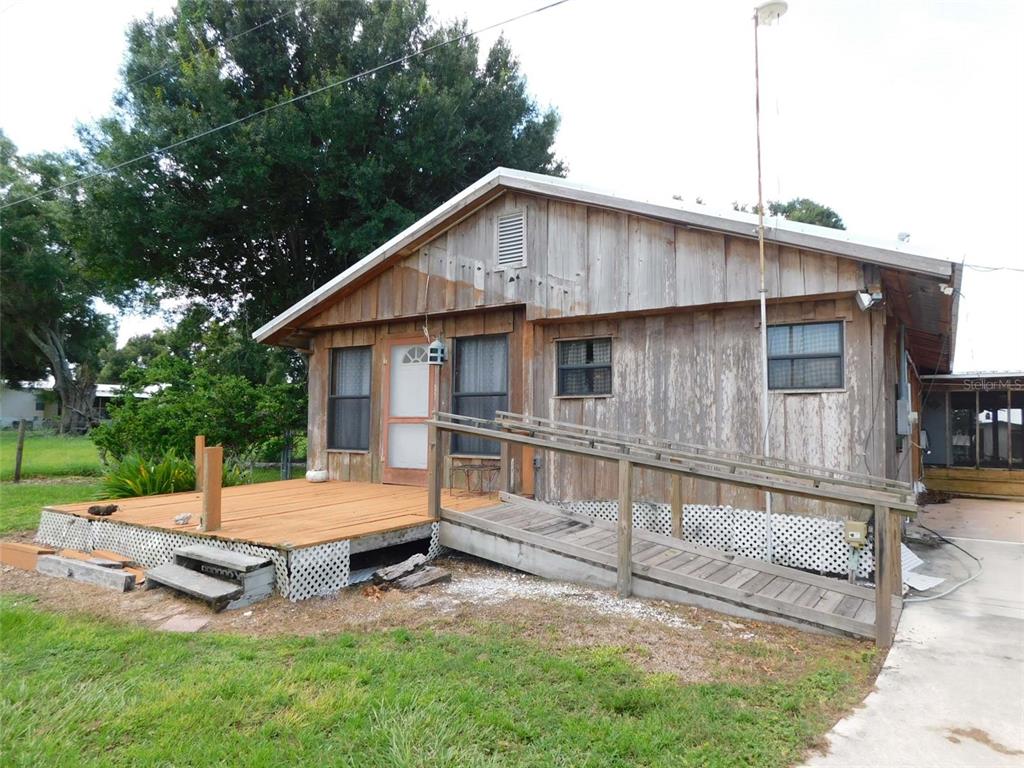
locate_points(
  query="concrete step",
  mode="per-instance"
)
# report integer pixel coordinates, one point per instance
(217, 592)
(221, 558)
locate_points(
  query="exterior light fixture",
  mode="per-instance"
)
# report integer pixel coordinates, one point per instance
(437, 352)
(867, 300)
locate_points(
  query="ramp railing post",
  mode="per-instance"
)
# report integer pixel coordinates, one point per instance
(435, 471)
(213, 458)
(885, 576)
(625, 531)
(505, 468)
(200, 447)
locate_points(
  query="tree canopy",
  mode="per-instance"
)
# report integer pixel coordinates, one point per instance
(48, 320)
(807, 211)
(253, 217)
(800, 209)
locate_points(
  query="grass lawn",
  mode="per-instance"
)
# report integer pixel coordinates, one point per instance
(48, 455)
(80, 691)
(20, 504)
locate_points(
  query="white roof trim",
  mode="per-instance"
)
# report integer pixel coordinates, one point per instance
(834, 241)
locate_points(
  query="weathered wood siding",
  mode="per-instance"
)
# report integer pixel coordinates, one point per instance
(583, 261)
(367, 466)
(694, 376)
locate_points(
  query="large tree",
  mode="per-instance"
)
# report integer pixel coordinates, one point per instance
(47, 316)
(255, 216)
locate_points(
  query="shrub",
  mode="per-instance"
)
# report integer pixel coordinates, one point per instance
(135, 475)
(228, 409)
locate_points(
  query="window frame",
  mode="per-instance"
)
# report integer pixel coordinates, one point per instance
(332, 398)
(455, 394)
(610, 365)
(841, 356)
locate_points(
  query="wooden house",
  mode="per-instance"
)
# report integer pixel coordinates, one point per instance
(557, 301)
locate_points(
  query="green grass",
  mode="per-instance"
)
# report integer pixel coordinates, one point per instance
(85, 692)
(21, 504)
(48, 455)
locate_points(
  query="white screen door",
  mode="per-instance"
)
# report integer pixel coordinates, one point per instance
(408, 406)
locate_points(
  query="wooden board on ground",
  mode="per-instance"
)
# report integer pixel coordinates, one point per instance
(398, 570)
(424, 577)
(79, 570)
(21, 555)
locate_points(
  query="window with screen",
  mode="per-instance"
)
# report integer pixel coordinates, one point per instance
(479, 387)
(805, 356)
(348, 404)
(584, 367)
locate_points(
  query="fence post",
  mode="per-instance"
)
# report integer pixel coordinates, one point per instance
(435, 471)
(20, 450)
(677, 506)
(625, 573)
(200, 447)
(884, 576)
(212, 460)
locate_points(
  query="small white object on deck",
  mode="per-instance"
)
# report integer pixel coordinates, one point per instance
(316, 476)
(183, 519)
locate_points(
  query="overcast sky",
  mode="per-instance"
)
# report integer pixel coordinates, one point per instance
(903, 116)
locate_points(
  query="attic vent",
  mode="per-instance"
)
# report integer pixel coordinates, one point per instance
(512, 239)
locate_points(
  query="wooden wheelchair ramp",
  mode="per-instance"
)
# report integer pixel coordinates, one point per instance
(546, 541)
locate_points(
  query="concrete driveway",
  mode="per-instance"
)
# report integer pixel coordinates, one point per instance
(951, 692)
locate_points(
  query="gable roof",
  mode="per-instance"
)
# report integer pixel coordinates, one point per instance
(892, 255)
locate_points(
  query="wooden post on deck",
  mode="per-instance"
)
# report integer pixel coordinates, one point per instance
(677, 506)
(213, 458)
(200, 446)
(435, 471)
(625, 574)
(886, 578)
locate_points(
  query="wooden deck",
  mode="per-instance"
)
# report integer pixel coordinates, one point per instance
(290, 513)
(549, 542)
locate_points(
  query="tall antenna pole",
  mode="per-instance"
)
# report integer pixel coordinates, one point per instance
(763, 14)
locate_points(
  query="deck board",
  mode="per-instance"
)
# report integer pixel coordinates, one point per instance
(288, 513)
(586, 549)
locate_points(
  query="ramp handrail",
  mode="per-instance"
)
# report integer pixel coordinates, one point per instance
(514, 431)
(706, 454)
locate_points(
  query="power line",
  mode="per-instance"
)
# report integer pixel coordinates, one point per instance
(981, 268)
(286, 102)
(227, 40)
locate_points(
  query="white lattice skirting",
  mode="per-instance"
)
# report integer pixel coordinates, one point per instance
(316, 571)
(811, 543)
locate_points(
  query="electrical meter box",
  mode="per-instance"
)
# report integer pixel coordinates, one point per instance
(856, 533)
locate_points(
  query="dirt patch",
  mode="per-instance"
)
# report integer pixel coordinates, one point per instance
(955, 735)
(692, 644)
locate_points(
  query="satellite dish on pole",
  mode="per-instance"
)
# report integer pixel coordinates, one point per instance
(770, 12)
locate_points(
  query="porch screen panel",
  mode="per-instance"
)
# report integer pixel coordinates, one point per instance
(963, 414)
(480, 387)
(993, 429)
(805, 356)
(1017, 430)
(348, 407)
(933, 421)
